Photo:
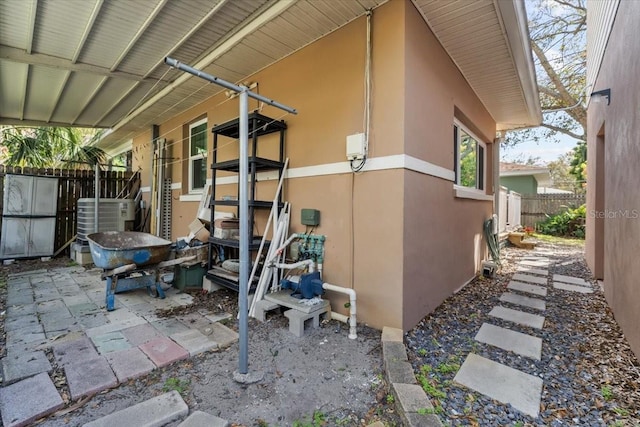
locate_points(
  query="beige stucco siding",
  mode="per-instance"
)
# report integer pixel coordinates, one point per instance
(617, 128)
(443, 241)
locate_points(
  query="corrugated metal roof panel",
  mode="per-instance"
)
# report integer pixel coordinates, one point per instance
(45, 84)
(13, 78)
(14, 22)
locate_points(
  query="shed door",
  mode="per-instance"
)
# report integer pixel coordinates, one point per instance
(29, 216)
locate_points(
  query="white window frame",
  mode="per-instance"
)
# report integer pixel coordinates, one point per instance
(461, 190)
(196, 157)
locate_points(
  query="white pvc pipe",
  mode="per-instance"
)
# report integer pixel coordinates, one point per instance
(307, 262)
(352, 307)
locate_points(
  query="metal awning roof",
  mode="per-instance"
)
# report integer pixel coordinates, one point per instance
(99, 63)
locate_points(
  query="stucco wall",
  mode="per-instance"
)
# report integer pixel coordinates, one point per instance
(618, 128)
(520, 184)
(443, 242)
(361, 215)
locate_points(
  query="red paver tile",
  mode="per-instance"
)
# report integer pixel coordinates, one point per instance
(162, 351)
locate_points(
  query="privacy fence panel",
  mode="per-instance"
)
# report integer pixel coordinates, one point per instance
(536, 208)
(74, 185)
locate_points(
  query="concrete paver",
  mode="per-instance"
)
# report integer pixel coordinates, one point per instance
(569, 279)
(202, 419)
(92, 320)
(74, 350)
(84, 309)
(572, 288)
(55, 315)
(524, 301)
(20, 310)
(115, 326)
(89, 376)
(112, 341)
(223, 335)
(194, 341)
(517, 316)
(129, 364)
(49, 306)
(506, 339)
(18, 322)
(24, 402)
(141, 334)
(529, 279)
(19, 298)
(532, 270)
(162, 351)
(535, 263)
(501, 383)
(158, 411)
(169, 326)
(525, 287)
(17, 366)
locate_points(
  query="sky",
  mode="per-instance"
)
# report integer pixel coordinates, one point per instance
(547, 151)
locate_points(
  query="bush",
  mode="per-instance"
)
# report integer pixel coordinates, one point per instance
(566, 224)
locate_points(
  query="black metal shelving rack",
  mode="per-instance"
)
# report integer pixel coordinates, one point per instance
(259, 125)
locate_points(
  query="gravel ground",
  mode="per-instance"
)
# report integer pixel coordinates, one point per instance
(591, 377)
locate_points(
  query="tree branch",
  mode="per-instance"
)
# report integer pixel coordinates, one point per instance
(565, 131)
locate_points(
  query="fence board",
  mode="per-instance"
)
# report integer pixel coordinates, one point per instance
(537, 208)
(74, 185)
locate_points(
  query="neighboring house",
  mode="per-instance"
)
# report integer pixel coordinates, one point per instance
(523, 179)
(613, 152)
(551, 190)
(445, 78)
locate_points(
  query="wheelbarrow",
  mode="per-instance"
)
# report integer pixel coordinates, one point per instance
(131, 260)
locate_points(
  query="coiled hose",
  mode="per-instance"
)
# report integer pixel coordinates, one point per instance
(492, 241)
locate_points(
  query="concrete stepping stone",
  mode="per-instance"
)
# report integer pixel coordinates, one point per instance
(572, 288)
(15, 323)
(115, 326)
(524, 301)
(532, 270)
(202, 419)
(89, 376)
(502, 383)
(506, 339)
(162, 351)
(24, 402)
(158, 411)
(169, 327)
(570, 279)
(534, 263)
(525, 287)
(194, 341)
(223, 335)
(76, 350)
(129, 364)
(141, 334)
(530, 279)
(113, 341)
(517, 316)
(17, 366)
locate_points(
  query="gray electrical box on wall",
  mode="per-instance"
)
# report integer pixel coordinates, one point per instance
(310, 217)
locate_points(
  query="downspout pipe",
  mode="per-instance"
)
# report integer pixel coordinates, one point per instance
(352, 308)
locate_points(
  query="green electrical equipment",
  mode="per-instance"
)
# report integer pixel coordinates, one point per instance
(310, 217)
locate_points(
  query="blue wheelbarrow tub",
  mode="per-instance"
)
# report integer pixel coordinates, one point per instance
(112, 249)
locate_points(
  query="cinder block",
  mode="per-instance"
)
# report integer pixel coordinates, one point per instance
(297, 320)
(262, 307)
(209, 286)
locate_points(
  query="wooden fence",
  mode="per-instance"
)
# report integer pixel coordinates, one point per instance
(74, 185)
(537, 208)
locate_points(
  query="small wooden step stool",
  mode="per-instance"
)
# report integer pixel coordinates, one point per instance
(518, 239)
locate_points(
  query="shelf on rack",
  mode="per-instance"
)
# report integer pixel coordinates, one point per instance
(264, 125)
(228, 279)
(260, 204)
(261, 164)
(233, 243)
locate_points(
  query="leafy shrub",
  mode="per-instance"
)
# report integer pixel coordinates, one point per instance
(569, 223)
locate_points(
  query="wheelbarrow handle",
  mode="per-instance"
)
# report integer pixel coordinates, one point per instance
(118, 270)
(176, 261)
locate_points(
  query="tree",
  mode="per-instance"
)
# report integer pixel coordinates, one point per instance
(558, 41)
(50, 147)
(561, 176)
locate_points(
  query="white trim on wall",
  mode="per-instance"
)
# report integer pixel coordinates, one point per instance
(397, 161)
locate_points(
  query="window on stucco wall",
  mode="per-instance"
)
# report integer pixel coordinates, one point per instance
(197, 156)
(470, 159)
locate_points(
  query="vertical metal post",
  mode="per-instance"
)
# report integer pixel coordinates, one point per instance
(244, 232)
(96, 216)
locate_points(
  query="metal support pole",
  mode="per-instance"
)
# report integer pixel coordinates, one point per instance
(244, 232)
(243, 210)
(96, 216)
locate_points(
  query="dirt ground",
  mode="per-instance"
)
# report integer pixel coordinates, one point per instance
(323, 378)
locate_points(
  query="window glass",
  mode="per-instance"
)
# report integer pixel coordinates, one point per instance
(470, 159)
(197, 156)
